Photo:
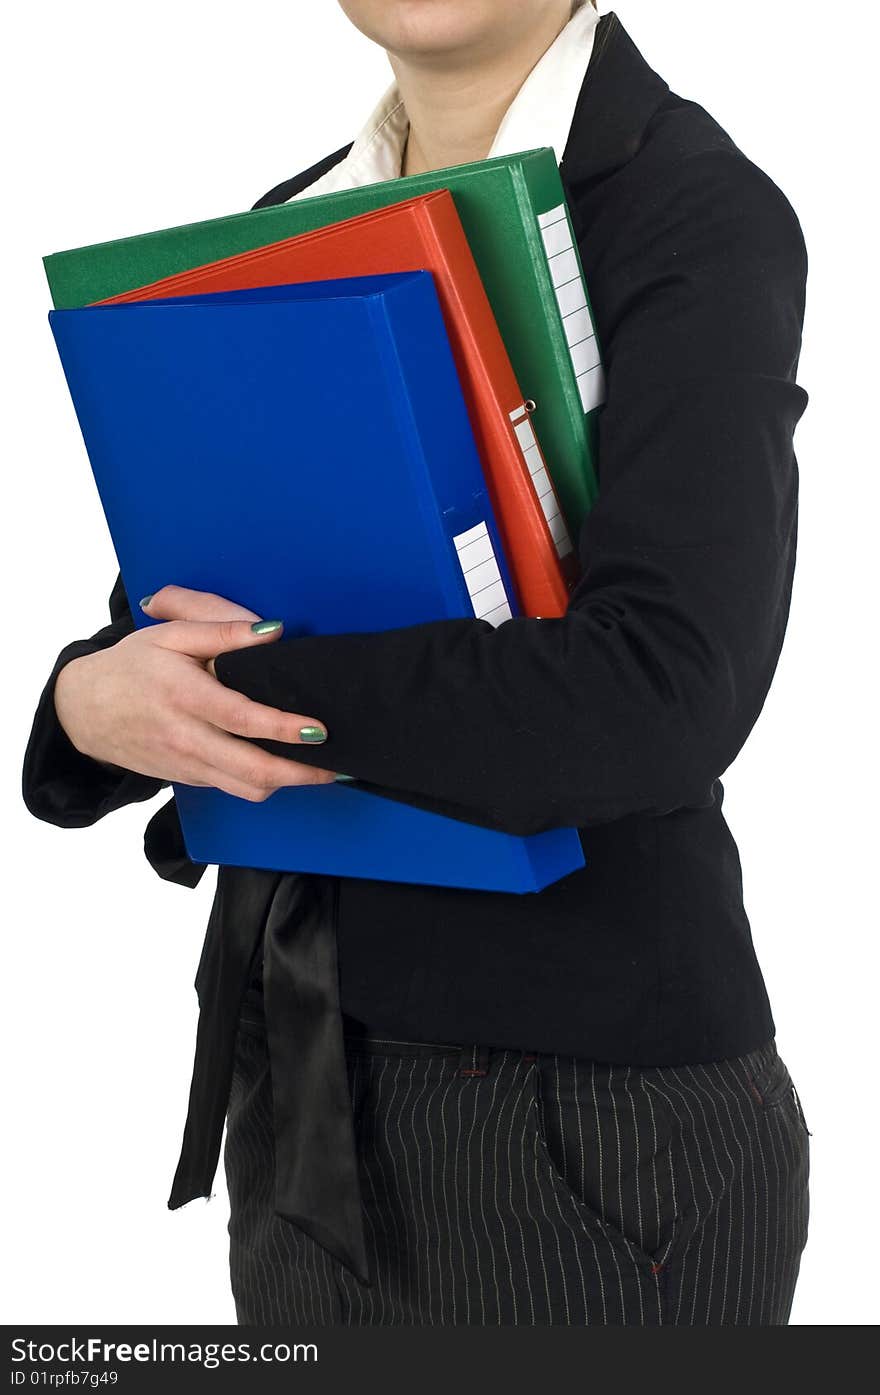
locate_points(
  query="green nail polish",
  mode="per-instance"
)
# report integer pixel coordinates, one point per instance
(145, 600)
(344, 779)
(266, 627)
(312, 735)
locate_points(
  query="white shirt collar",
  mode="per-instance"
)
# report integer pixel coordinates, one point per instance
(540, 114)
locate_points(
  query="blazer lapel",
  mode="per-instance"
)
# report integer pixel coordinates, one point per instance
(288, 187)
(619, 96)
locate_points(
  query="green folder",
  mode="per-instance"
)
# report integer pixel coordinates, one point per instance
(517, 223)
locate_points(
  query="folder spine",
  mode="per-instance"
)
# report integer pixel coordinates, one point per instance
(575, 313)
(545, 492)
(483, 585)
(442, 226)
(576, 488)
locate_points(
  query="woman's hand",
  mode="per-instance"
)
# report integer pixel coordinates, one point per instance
(151, 702)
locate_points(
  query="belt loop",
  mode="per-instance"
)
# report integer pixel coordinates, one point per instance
(475, 1060)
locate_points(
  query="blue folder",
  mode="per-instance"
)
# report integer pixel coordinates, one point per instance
(306, 451)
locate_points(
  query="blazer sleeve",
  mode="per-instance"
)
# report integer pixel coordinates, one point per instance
(60, 784)
(641, 695)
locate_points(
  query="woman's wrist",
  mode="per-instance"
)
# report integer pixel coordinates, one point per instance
(66, 706)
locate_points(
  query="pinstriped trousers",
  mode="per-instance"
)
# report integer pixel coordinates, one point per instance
(503, 1187)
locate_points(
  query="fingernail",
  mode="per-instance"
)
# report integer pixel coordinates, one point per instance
(145, 600)
(312, 735)
(343, 779)
(266, 627)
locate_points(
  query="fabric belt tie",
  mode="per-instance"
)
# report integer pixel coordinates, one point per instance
(292, 917)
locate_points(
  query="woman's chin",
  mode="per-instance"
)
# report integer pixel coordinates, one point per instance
(437, 30)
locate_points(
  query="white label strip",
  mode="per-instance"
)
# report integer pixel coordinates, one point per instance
(481, 574)
(591, 386)
(554, 215)
(528, 444)
(571, 297)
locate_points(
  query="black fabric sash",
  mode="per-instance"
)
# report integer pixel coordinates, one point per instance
(292, 918)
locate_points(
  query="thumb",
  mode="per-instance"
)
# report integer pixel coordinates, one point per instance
(205, 639)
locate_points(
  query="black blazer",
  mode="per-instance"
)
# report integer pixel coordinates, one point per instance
(617, 718)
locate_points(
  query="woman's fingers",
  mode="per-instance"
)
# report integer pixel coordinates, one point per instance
(148, 704)
(233, 712)
(239, 768)
(215, 727)
(204, 638)
(182, 603)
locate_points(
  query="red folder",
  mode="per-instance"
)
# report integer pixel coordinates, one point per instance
(425, 233)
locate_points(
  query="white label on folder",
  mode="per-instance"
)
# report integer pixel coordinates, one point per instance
(531, 451)
(571, 297)
(481, 574)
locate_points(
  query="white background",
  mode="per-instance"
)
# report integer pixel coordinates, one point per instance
(124, 118)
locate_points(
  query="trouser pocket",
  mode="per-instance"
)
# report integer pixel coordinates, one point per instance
(774, 1088)
(606, 1141)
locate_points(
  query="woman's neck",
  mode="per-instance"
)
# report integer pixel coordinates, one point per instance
(455, 107)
